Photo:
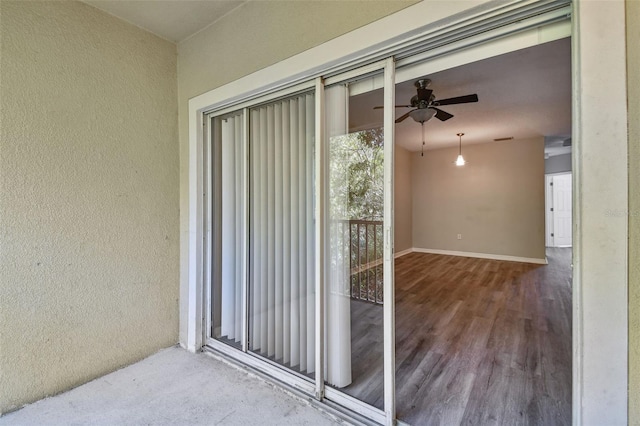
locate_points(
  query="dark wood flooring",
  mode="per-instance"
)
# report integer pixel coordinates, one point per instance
(477, 342)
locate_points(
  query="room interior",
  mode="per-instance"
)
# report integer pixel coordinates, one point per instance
(481, 226)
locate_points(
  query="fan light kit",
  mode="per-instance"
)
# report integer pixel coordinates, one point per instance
(460, 160)
(425, 107)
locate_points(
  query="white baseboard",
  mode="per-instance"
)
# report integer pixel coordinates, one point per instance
(482, 255)
(402, 253)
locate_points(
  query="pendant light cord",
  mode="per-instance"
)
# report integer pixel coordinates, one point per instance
(422, 153)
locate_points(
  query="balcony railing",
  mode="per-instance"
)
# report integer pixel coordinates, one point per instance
(365, 253)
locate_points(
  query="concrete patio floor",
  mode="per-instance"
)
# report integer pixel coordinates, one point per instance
(173, 387)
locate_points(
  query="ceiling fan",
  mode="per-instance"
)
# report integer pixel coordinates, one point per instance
(426, 106)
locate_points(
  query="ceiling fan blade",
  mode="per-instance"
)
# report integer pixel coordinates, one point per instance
(458, 100)
(442, 115)
(404, 117)
(397, 106)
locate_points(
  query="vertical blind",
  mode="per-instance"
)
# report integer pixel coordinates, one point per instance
(232, 178)
(337, 294)
(281, 232)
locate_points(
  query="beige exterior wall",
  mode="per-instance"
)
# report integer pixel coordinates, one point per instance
(402, 201)
(89, 204)
(633, 87)
(496, 201)
(252, 37)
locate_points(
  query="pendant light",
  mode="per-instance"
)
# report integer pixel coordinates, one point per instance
(460, 160)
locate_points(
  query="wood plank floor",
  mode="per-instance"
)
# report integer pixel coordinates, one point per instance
(477, 342)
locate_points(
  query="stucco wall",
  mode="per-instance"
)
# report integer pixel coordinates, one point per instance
(633, 86)
(252, 37)
(89, 197)
(496, 201)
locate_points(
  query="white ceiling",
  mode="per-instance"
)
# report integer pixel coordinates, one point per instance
(173, 20)
(523, 94)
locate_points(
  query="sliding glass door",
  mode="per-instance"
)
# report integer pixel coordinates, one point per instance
(358, 285)
(354, 238)
(299, 227)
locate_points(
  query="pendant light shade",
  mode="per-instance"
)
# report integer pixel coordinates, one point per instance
(460, 160)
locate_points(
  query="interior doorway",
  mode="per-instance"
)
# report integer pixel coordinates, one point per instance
(558, 216)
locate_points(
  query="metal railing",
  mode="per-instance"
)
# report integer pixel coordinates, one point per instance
(365, 260)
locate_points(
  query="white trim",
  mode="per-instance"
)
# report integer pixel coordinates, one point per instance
(403, 253)
(208, 214)
(388, 307)
(483, 255)
(196, 299)
(600, 183)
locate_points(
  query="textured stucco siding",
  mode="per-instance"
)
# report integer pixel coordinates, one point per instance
(89, 197)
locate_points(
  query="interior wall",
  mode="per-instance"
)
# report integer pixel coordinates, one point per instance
(495, 201)
(226, 51)
(89, 207)
(558, 164)
(403, 203)
(633, 87)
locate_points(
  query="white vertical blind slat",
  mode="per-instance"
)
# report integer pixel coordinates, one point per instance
(277, 252)
(264, 246)
(286, 233)
(308, 141)
(256, 235)
(239, 207)
(271, 223)
(228, 230)
(295, 243)
(303, 234)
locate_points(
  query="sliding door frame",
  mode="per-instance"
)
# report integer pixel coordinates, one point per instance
(316, 388)
(599, 320)
(387, 67)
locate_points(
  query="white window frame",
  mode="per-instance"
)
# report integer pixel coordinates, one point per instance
(600, 303)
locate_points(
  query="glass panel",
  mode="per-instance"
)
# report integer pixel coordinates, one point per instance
(354, 297)
(227, 244)
(281, 241)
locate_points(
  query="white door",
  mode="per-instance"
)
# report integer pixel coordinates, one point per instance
(562, 225)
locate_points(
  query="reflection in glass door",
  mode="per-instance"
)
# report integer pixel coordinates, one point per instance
(354, 294)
